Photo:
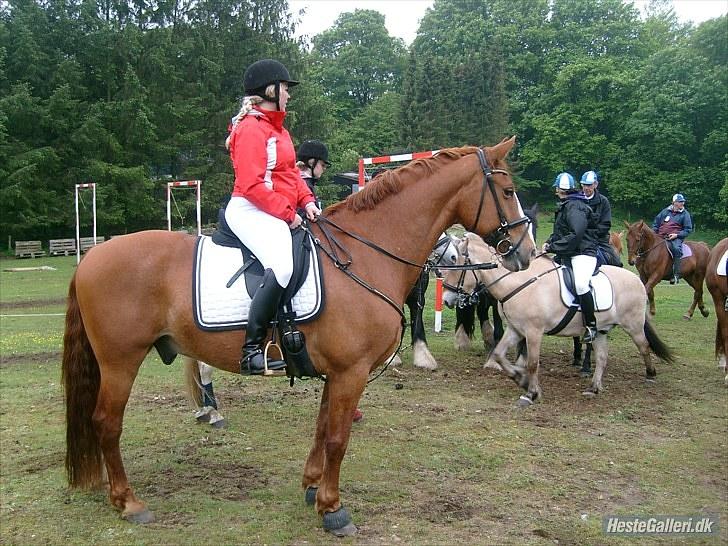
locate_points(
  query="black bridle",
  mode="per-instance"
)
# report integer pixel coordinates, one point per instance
(500, 239)
(638, 253)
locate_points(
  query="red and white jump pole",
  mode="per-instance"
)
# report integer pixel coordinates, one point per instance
(390, 159)
(438, 305)
(184, 184)
(91, 185)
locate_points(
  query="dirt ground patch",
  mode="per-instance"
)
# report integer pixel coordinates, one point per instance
(49, 357)
(15, 305)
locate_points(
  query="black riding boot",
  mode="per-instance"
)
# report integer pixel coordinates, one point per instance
(590, 322)
(675, 271)
(262, 308)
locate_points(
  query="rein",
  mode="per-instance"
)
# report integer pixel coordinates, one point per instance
(639, 254)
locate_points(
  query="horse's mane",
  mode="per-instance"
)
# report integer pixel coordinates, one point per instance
(391, 182)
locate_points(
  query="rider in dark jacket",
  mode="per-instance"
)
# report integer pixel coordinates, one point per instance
(603, 212)
(674, 224)
(574, 243)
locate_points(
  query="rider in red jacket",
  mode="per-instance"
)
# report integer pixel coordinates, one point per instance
(268, 189)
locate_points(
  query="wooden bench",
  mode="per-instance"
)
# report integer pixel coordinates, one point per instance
(85, 243)
(62, 247)
(28, 249)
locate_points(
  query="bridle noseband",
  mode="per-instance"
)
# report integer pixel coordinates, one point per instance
(500, 238)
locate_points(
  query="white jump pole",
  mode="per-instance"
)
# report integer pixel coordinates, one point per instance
(91, 185)
(197, 184)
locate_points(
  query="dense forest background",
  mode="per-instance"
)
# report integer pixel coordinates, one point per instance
(130, 94)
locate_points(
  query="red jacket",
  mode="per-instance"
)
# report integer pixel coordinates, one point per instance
(264, 161)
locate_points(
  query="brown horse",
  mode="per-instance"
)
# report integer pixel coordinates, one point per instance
(135, 290)
(718, 288)
(648, 252)
(615, 239)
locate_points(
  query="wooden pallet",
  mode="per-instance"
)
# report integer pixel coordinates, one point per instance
(29, 249)
(62, 247)
(85, 243)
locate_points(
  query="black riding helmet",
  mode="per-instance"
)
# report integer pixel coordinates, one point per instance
(313, 149)
(263, 73)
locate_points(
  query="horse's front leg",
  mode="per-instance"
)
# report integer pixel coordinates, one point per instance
(498, 359)
(344, 391)
(586, 365)
(533, 389)
(601, 352)
(314, 467)
(649, 285)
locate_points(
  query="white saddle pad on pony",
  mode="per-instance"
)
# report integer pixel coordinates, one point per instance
(217, 307)
(601, 289)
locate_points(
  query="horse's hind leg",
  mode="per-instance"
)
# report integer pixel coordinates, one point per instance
(637, 333)
(117, 378)
(533, 389)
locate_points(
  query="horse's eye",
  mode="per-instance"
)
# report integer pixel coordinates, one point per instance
(509, 192)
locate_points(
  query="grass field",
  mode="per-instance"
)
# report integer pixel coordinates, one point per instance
(445, 459)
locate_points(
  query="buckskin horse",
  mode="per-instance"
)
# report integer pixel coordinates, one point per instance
(531, 303)
(136, 289)
(718, 287)
(648, 252)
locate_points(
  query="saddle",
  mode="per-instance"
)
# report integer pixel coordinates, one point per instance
(253, 269)
(686, 251)
(600, 285)
(305, 265)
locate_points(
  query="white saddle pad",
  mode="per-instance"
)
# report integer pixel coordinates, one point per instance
(217, 307)
(721, 270)
(601, 289)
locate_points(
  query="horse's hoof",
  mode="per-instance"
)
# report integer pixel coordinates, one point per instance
(311, 495)
(204, 418)
(524, 402)
(339, 523)
(705, 312)
(687, 317)
(145, 516)
(219, 424)
(584, 374)
(650, 380)
(589, 394)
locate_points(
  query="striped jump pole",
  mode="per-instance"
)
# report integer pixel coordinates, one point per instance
(91, 185)
(389, 159)
(438, 305)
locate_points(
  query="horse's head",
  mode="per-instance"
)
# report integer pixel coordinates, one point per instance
(461, 288)
(635, 234)
(445, 251)
(489, 207)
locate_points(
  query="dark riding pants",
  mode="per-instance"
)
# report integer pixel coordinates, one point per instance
(676, 249)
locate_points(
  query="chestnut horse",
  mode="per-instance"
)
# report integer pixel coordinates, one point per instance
(136, 290)
(718, 288)
(648, 252)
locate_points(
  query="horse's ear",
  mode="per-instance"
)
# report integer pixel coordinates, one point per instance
(463, 245)
(626, 224)
(620, 233)
(501, 150)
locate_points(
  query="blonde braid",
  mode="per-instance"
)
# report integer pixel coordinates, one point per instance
(247, 105)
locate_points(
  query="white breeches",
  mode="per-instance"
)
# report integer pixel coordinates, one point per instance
(583, 267)
(267, 237)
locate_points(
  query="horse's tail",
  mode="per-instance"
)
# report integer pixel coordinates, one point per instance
(657, 345)
(465, 317)
(81, 379)
(192, 381)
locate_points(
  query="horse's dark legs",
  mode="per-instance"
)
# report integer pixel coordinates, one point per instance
(422, 358)
(117, 379)
(577, 351)
(586, 365)
(491, 302)
(464, 327)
